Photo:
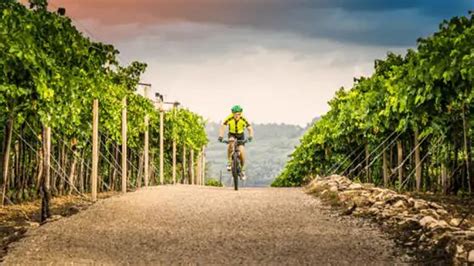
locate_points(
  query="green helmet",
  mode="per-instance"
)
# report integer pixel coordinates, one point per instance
(237, 109)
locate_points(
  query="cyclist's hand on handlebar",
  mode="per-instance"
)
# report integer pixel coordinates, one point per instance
(220, 139)
(250, 139)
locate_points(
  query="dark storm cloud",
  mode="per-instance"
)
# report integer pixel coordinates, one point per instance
(367, 22)
(433, 6)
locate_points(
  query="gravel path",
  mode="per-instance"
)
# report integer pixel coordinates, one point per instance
(205, 225)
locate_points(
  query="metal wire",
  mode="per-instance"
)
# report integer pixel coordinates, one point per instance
(52, 168)
(421, 161)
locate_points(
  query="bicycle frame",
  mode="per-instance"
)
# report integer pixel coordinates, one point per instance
(236, 163)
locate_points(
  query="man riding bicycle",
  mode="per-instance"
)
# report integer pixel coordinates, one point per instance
(237, 124)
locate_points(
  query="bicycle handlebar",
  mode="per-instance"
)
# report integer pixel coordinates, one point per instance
(238, 141)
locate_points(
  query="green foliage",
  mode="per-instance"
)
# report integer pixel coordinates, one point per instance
(51, 73)
(213, 182)
(428, 90)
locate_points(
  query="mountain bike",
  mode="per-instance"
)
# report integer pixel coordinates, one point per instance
(236, 165)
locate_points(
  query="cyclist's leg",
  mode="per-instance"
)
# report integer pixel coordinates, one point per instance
(242, 155)
(242, 160)
(241, 137)
(229, 152)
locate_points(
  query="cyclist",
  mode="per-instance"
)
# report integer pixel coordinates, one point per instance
(237, 124)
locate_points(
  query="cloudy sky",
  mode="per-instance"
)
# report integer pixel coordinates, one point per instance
(282, 60)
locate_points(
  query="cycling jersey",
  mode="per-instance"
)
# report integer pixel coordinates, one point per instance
(236, 127)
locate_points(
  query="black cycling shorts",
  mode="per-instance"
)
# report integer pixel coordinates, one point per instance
(237, 136)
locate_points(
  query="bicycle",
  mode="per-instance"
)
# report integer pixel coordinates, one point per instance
(236, 165)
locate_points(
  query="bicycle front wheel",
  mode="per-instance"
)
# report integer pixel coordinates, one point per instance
(236, 170)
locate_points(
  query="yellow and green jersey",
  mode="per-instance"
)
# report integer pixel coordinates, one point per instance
(236, 126)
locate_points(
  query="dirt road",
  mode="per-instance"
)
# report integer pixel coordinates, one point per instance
(205, 225)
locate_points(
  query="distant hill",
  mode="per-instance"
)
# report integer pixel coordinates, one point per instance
(310, 124)
(266, 155)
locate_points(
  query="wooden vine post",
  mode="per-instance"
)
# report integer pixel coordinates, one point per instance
(444, 178)
(467, 149)
(184, 164)
(367, 163)
(95, 148)
(124, 145)
(174, 161)
(45, 182)
(162, 149)
(146, 150)
(146, 160)
(400, 162)
(203, 182)
(191, 166)
(198, 168)
(6, 157)
(72, 173)
(175, 105)
(385, 169)
(418, 166)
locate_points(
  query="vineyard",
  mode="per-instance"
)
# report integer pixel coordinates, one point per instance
(51, 76)
(408, 126)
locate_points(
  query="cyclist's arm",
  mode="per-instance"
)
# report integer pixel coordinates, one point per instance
(224, 125)
(222, 130)
(250, 130)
